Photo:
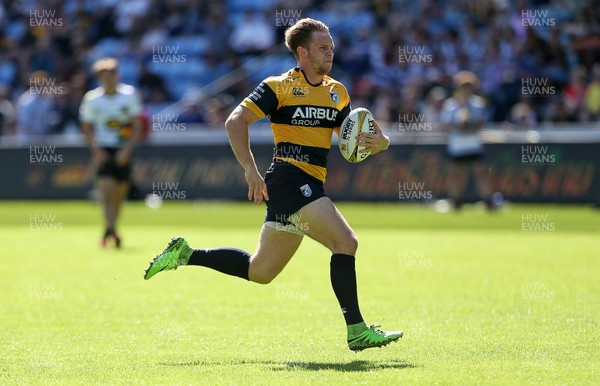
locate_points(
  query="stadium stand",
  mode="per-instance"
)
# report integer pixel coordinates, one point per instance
(202, 41)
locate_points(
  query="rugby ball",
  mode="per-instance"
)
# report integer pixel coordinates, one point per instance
(359, 120)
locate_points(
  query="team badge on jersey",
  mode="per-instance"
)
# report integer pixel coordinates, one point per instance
(335, 97)
(306, 190)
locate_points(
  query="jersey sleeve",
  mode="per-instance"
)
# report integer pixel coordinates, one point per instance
(480, 112)
(135, 104)
(447, 112)
(262, 101)
(345, 110)
(85, 110)
(342, 115)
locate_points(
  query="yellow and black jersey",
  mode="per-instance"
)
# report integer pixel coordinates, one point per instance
(302, 117)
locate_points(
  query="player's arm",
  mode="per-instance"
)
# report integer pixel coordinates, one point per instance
(98, 155)
(88, 131)
(237, 130)
(87, 127)
(446, 116)
(124, 153)
(373, 143)
(135, 107)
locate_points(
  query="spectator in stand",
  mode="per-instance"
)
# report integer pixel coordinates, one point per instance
(488, 38)
(151, 86)
(215, 68)
(129, 13)
(67, 105)
(523, 116)
(7, 113)
(217, 27)
(575, 93)
(36, 111)
(408, 111)
(385, 106)
(156, 35)
(434, 104)
(592, 95)
(217, 110)
(193, 112)
(8, 65)
(252, 35)
(494, 68)
(558, 112)
(556, 60)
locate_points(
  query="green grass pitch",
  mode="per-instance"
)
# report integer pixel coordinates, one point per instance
(507, 298)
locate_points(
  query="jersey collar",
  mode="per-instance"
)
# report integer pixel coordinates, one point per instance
(306, 79)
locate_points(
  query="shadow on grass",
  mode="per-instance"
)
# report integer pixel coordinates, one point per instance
(355, 365)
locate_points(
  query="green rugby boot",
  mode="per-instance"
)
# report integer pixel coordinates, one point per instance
(175, 254)
(373, 337)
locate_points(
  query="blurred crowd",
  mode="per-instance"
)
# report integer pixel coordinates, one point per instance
(397, 57)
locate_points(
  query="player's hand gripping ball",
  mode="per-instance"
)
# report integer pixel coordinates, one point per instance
(359, 120)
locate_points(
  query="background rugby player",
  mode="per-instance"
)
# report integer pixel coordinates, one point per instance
(305, 106)
(111, 121)
(463, 116)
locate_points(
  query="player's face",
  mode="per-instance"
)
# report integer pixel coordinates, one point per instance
(108, 79)
(464, 91)
(320, 53)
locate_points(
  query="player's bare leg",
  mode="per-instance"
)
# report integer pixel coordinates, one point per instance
(323, 222)
(121, 191)
(456, 170)
(481, 184)
(108, 192)
(274, 251)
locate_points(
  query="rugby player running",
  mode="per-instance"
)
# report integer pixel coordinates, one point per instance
(305, 106)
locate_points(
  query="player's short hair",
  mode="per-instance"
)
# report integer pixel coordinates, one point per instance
(300, 33)
(466, 78)
(105, 64)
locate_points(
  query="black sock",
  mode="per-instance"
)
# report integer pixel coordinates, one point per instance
(109, 232)
(231, 261)
(343, 281)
